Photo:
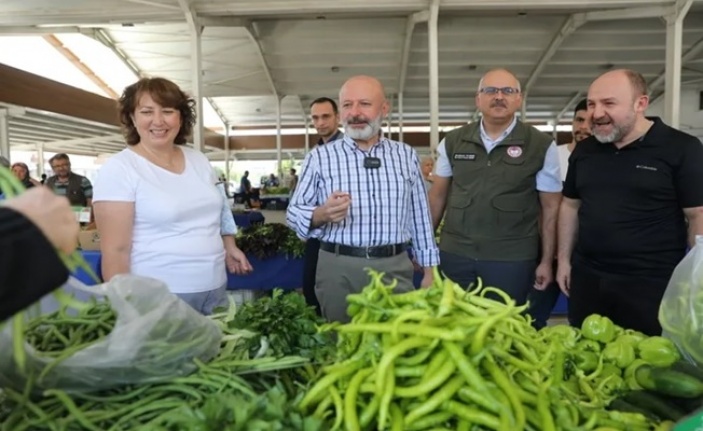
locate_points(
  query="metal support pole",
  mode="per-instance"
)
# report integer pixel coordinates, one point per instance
(279, 166)
(434, 75)
(196, 66)
(4, 134)
(40, 158)
(400, 117)
(228, 151)
(672, 86)
(523, 109)
(307, 133)
(390, 116)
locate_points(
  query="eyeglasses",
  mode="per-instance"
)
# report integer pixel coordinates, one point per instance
(62, 165)
(507, 91)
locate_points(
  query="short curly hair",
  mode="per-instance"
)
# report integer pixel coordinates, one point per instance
(164, 92)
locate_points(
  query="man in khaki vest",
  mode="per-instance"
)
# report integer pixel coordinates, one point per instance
(496, 178)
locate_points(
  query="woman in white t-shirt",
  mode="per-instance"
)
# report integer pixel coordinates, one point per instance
(156, 204)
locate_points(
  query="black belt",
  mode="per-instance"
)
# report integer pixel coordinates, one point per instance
(367, 252)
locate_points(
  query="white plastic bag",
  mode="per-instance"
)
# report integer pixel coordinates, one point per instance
(681, 310)
(156, 337)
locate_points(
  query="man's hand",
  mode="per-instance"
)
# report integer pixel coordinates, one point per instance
(428, 278)
(237, 262)
(336, 207)
(543, 276)
(564, 277)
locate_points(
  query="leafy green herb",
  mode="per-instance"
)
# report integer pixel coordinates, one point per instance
(287, 323)
(270, 239)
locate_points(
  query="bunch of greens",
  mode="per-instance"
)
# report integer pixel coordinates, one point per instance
(285, 325)
(270, 411)
(267, 240)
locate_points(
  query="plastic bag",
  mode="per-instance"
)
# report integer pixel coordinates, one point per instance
(156, 337)
(681, 310)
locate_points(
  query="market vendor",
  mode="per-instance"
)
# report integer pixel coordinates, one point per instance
(633, 196)
(33, 226)
(364, 197)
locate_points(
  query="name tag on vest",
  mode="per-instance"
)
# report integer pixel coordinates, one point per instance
(464, 156)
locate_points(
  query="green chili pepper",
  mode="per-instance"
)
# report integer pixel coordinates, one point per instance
(598, 328)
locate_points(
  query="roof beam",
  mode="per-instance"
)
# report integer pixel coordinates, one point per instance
(91, 140)
(689, 55)
(223, 21)
(628, 13)
(85, 70)
(39, 30)
(251, 31)
(101, 36)
(154, 4)
(571, 101)
(570, 25)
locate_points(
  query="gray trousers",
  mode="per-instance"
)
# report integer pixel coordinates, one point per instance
(206, 302)
(337, 276)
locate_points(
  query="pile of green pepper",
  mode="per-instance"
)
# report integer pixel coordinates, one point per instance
(446, 359)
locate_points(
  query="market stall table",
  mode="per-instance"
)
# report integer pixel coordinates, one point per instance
(274, 202)
(248, 218)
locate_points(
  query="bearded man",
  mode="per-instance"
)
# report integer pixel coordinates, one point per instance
(363, 196)
(633, 202)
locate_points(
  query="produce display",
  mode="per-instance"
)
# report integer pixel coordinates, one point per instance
(436, 359)
(275, 191)
(268, 240)
(236, 390)
(446, 359)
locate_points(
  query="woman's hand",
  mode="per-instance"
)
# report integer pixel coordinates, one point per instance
(237, 262)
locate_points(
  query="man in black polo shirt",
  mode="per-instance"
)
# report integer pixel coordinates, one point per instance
(325, 119)
(633, 199)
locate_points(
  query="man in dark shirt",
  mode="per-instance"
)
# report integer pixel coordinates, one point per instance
(245, 189)
(325, 119)
(633, 198)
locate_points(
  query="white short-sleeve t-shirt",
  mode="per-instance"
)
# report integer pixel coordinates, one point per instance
(176, 235)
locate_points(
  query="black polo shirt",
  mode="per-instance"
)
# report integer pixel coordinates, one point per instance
(631, 220)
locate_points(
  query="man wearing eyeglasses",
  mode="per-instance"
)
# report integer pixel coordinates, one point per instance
(496, 178)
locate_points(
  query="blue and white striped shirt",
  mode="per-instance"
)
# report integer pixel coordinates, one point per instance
(388, 204)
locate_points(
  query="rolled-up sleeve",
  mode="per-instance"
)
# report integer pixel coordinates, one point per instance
(424, 247)
(305, 199)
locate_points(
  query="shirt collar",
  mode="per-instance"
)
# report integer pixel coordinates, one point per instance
(506, 132)
(333, 138)
(349, 142)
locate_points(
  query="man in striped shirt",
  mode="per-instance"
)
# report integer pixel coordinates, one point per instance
(364, 197)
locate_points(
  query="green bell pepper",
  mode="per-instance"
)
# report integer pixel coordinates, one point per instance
(567, 335)
(589, 346)
(585, 360)
(658, 351)
(610, 370)
(620, 354)
(598, 328)
(631, 339)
